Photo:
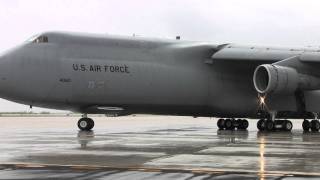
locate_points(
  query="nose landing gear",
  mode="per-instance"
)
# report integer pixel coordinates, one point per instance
(85, 123)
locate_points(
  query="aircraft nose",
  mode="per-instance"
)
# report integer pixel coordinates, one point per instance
(1, 57)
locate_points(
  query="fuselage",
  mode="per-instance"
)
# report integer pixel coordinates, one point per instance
(84, 72)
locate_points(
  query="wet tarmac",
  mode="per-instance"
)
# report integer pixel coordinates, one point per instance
(152, 147)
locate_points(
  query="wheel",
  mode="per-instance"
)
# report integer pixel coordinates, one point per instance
(269, 125)
(261, 124)
(287, 125)
(220, 124)
(306, 125)
(229, 124)
(85, 124)
(237, 123)
(91, 123)
(315, 125)
(245, 124)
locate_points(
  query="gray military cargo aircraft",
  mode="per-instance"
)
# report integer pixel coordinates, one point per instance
(133, 75)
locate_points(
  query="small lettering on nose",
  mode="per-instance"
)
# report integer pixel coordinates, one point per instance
(65, 80)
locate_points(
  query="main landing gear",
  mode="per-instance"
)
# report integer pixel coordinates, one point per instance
(232, 124)
(271, 125)
(85, 123)
(313, 125)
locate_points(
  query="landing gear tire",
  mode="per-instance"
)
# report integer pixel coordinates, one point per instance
(220, 124)
(85, 124)
(315, 125)
(306, 125)
(243, 124)
(287, 125)
(229, 124)
(269, 125)
(261, 125)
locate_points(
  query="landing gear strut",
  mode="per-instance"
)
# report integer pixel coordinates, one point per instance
(232, 124)
(85, 123)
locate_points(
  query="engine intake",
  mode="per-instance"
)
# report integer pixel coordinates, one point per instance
(269, 78)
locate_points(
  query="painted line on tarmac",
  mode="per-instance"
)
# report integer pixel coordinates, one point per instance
(14, 166)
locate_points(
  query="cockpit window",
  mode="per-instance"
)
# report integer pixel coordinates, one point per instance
(41, 39)
(33, 38)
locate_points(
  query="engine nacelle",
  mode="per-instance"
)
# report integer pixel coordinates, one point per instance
(269, 78)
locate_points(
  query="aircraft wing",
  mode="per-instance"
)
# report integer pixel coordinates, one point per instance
(262, 54)
(310, 57)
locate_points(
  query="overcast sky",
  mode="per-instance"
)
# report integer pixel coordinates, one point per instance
(272, 22)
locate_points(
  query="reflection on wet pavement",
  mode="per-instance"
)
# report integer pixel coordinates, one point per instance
(186, 146)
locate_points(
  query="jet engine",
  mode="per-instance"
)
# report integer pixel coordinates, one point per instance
(270, 78)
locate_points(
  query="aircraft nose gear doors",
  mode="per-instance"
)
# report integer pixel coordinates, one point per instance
(231, 124)
(85, 124)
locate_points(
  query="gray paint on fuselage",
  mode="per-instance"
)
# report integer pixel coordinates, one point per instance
(162, 77)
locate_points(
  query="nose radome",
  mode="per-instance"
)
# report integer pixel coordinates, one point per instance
(1, 56)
